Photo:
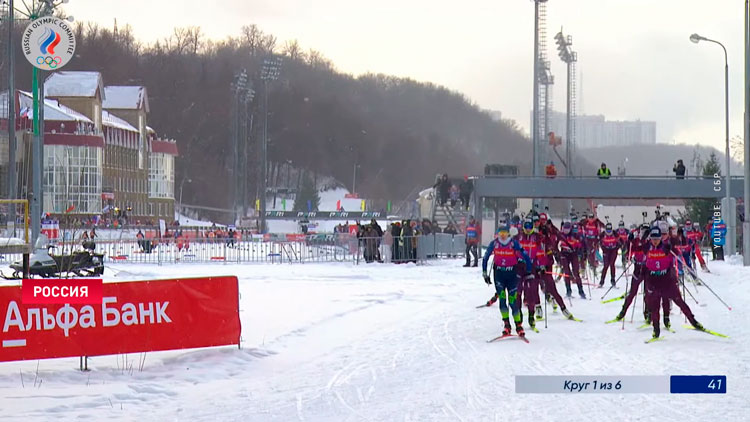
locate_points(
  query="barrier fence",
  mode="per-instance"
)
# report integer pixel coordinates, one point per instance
(274, 248)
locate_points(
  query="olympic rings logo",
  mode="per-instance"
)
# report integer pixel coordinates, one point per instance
(50, 61)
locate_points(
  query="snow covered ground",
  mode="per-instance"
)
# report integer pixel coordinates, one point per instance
(337, 342)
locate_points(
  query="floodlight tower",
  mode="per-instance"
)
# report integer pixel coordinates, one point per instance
(542, 81)
(569, 57)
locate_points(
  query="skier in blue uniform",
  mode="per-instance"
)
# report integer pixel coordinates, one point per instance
(506, 253)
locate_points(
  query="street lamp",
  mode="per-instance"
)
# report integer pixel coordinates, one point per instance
(182, 184)
(354, 182)
(695, 38)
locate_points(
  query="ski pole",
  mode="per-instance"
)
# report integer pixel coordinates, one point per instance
(685, 289)
(545, 302)
(704, 284)
(626, 293)
(618, 279)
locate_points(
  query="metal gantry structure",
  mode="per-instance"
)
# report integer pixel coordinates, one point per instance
(269, 72)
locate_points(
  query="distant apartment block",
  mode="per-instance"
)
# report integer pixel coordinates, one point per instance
(594, 131)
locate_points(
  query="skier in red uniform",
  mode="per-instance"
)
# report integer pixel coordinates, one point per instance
(591, 229)
(661, 281)
(694, 233)
(530, 241)
(544, 261)
(610, 244)
(624, 235)
(637, 242)
(570, 245)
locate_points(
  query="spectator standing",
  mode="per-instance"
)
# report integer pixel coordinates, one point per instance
(396, 234)
(472, 241)
(387, 245)
(443, 187)
(550, 170)
(450, 229)
(454, 196)
(679, 169)
(604, 172)
(466, 188)
(435, 227)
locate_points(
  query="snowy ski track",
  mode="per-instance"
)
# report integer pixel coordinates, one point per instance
(337, 342)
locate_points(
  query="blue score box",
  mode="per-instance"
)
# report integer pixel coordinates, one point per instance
(698, 384)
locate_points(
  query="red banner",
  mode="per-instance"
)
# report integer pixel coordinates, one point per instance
(139, 316)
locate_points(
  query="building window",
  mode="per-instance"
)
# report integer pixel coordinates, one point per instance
(161, 176)
(73, 178)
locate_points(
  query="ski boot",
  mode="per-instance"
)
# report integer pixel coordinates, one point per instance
(532, 323)
(506, 328)
(567, 314)
(698, 326)
(476, 264)
(539, 315)
(619, 317)
(581, 293)
(613, 282)
(667, 324)
(491, 301)
(519, 330)
(656, 332)
(467, 265)
(568, 292)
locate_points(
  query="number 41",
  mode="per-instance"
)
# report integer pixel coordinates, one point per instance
(714, 384)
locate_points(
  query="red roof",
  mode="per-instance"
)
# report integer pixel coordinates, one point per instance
(74, 140)
(164, 147)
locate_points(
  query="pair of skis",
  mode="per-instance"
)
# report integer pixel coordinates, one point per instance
(504, 336)
(689, 327)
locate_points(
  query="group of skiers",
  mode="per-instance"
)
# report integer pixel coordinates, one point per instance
(524, 251)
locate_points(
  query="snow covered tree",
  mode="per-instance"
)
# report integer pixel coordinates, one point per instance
(307, 192)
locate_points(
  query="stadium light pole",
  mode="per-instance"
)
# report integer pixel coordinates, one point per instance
(730, 241)
(746, 181)
(269, 72)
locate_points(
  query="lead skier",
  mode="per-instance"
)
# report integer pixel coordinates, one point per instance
(505, 253)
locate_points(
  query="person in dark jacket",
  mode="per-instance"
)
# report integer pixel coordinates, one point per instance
(443, 187)
(396, 234)
(466, 188)
(679, 169)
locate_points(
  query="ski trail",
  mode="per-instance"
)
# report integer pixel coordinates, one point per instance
(335, 377)
(435, 346)
(453, 412)
(448, 337)
(299, 407)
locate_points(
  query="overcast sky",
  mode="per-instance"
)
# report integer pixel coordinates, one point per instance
(635, 56)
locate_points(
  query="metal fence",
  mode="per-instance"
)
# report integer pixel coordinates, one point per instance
(339, 247)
